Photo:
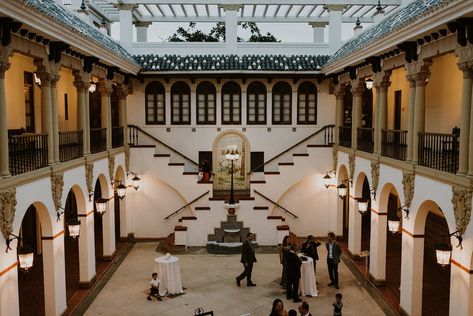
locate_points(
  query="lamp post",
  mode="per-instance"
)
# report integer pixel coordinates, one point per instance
(232, 155)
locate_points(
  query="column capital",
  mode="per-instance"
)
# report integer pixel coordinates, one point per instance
(48, 72)
(334, 7)
(81, 79)
(339, 91)
(142, 23)
(318, 24)
(230, 7)
(418, 71)
(381, 80)
(105, 86)
(5, 54)
(122, 91)
(357, 87)
(126, 6)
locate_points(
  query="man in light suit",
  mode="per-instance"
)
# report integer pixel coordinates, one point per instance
(333, 258)
(247, 258)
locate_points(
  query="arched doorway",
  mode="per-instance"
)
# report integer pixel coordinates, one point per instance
(31, 283)
(435, 279)
(71, 247)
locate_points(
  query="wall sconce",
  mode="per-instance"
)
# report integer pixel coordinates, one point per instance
(74, 228)
(25, 258)
(342, 189)
(92, 88)
(327, 178)
(369, 83)
(443, 251)
(37, 80)
(362, 205)
(393, 225)
(136, 180)
(101, 204)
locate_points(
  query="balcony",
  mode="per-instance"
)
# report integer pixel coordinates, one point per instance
(98, 140)
(365, 139)
(27, 152)
(70, 145)
(344, 136)
(117, 137)
(439, 151)
(394, 144)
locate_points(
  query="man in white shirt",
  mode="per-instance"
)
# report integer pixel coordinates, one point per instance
(154, 287)
(304, 309)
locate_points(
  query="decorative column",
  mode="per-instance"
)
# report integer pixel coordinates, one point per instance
(193, 105)
(244, 105)
(465, 63)
(218, 104)
(5, 53)
(335, 26)
(82, 84)
(46, 107)
(87, 119)
(382, 84)
(294, 105)
(410, 116)
(231, 26)
(339, 94)
(318, 30)
(122, 115)
(357, 88)
(126, 27)
(55, 76)
(141, 31)
(105, 89)
(269, 105)
(167, 104)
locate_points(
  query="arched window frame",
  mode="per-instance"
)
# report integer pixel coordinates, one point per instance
(155, 104)
(282, 102)
(256, 100)
(206, 103)
(307, 103)
(180, 103)
(232, 92)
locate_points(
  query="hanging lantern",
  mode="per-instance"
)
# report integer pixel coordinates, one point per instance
(121, 191)
(369, 83)
(136, 182)
(342, 190)
(362, 205)
(101, 205)
(393, 226)
(443, 253)
(327, 179)
(25, 258)
(74, 228)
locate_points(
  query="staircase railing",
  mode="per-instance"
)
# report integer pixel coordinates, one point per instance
(183, 207)
(278, 205)
(134, 131)
(328, 141)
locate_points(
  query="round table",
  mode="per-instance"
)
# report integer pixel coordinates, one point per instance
(307, 284)
(169, 275)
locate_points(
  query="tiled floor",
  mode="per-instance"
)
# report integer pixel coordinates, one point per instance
(210, 283)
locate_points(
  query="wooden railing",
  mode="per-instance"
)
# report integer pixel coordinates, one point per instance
(439, 151)
(394, 144)
(134, 140)
(183, 207)
(365, 139)
(98, 140)
(328, 141)
(344, 137)
(27, 153)
(117, 136)
(278, 205)
(70, 145)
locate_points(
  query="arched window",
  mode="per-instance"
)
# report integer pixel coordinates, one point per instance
(155, 105)
(256, 103)
(181, 103)
(282, 100)
(307, 104)
(231, 103)
(206, 100)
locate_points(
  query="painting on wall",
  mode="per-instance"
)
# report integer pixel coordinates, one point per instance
(222, 181)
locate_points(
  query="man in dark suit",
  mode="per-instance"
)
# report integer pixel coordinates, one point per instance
(333, 258)
(293, 270)
(304, 309)
(247, 258)
(309, 248)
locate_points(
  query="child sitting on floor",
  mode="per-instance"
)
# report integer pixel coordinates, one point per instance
(154, 287)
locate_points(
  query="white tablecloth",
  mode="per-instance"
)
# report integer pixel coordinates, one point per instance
(169, 275)
(307, 285)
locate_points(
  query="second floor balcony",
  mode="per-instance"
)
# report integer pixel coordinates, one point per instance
(345, 136)
(27, 152)
(98, 140)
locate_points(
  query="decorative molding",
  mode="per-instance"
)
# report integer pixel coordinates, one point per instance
(465, 57)
(408, 187)
(381, 80)
(57, 184)
(5, 54)
(335, 157)
(351, 165)
(127, 158)
(89, 176)
(375, 175)
(461, 201)
(7, 211)
(418, 71)
(111, 167)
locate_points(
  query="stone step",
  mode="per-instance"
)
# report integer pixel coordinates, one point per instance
(258, 181)
(180, 228)
(190, 173)
(189, 218)
(202, 208)
(276, 217)
(286, 164)
(162, 155)
(261, 208)
(300, 155)
(271, 173)
(282, 227)
(176, 164)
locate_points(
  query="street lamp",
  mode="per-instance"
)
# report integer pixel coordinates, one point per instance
(232, 155)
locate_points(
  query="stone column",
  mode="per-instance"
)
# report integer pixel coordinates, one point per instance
(82, 84)
(339, 94)
(87, 248)
(126, 27)
(231, 26)
(269, 105)
(465, 117)
(167, 104)
(419, 108)
(54, 273)
(141, 31)
(46, 107)
(318, 30)
(122, 114)
(294, 105)
(55, 76)
(382, 84)
(105, 89)
(354, 227)
(377, 131)
(378, 236)
(108, 227)
(335, 26)
(87, 119)
(410, 117)
(193, 109)
(218, 104)
(5, 53)
(244, 104)
(357, 88)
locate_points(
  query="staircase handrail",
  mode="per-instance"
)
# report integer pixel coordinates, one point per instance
(194, 200)
(278, 205)
(292, 147)
(162, 143)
